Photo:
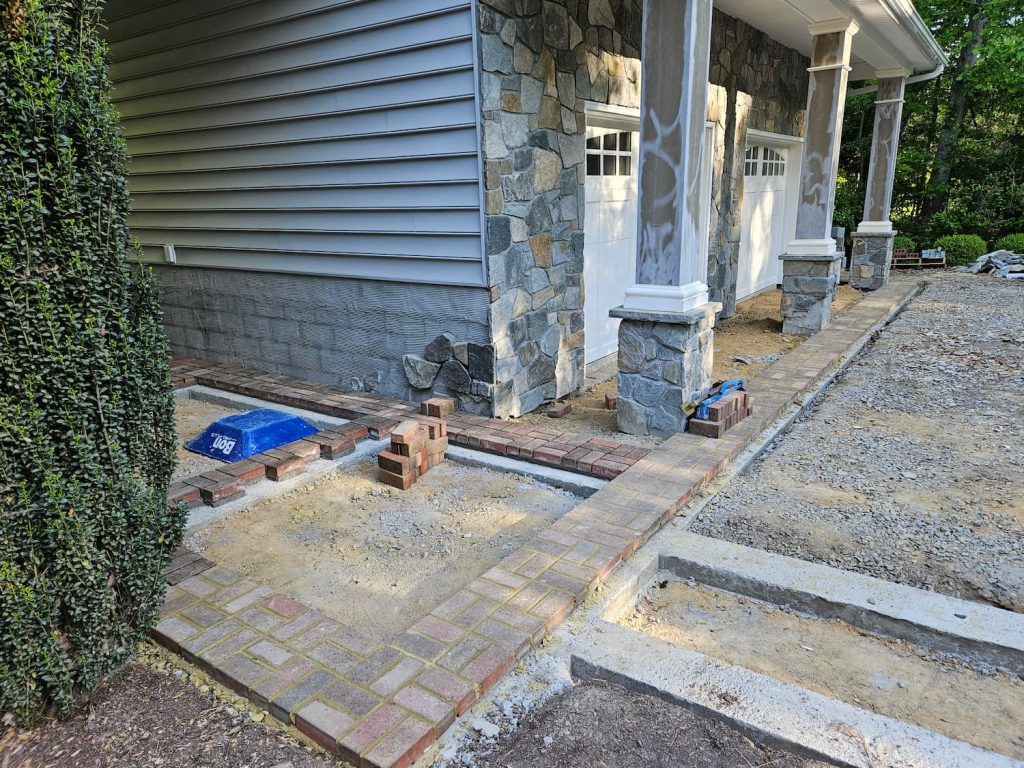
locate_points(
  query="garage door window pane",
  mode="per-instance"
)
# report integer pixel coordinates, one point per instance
(593, 165)
(750, 165)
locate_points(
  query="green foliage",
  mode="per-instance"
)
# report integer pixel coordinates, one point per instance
(904, 243)
(1013, 243)
(86, 414)
(961, 249)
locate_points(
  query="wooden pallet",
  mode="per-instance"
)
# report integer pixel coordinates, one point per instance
(907, 260)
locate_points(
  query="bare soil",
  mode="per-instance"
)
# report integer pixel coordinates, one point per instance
(155, 713)
(192, 417)
(597, 725)
(744, 345)
(376, 558)
(887, 676)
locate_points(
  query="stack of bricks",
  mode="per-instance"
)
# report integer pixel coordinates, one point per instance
(724, 415)
(416, 448)
(439, 407)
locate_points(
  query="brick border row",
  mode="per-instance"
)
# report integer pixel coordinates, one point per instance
(593, 456)
(382, 706)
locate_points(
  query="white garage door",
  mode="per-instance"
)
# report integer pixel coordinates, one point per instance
(764, 219)
(610, 258)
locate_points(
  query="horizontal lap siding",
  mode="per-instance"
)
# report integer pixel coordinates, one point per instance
(331, 137)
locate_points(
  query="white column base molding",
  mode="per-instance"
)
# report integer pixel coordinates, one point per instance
(824, 247)
(875, 228)
(666, 298)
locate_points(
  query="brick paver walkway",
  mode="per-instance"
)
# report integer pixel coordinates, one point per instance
(382, 706)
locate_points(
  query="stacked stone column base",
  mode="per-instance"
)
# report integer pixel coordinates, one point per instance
(871, 260)
(809, 285)
(665, 361)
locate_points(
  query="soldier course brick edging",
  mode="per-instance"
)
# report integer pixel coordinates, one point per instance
(382, 706)
(380, 415)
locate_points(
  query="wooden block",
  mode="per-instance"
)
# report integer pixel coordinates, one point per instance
(611, 402)
(401, 482)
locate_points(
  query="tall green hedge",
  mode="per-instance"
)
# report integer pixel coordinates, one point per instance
(961, 249)
(86, 414)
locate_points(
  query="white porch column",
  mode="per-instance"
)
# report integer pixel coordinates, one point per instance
(873, 240)
(811, 263)
(665, 338)
(670, 275)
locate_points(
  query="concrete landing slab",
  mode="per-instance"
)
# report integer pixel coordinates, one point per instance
(929, 619)
(785, 715)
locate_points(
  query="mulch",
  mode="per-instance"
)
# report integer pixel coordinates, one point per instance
(605, 726)
(146, 716)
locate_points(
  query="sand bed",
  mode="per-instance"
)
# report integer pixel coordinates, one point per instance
(192, 417)
(375, 558)
(887, 676)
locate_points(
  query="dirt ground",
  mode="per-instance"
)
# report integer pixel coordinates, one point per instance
(157, 714)
(891, 677)
(753, 334)
(192, 417)
(376, 558)
(908, 468)
(598, 725)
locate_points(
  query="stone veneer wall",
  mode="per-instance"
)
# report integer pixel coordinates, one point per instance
(541, 60)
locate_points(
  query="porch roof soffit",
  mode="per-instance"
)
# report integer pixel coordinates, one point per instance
(891, 36)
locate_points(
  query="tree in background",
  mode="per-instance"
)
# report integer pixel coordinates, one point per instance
(961, 163)
(86, 414)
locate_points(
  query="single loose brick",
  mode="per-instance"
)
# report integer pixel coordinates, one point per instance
(559, 410)
(396, 463)
(407, 433)
(401, 482)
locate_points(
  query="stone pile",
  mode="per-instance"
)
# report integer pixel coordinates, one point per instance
(416, 448)
(1002, 263)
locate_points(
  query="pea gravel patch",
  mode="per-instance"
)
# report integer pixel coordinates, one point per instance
(909, 468)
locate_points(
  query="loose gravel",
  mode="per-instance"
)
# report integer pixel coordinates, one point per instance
(911, 467)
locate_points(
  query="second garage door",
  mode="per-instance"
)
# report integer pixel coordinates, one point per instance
(763, 236)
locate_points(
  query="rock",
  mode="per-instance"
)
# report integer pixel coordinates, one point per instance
(419, 372)
(480, 362)
(440, 349)
(456, 377)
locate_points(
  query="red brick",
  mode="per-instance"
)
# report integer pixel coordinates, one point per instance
(449, 687)
(441, 630)
(396, 463)
(402, 745)
(179, 493)
(488, 667)
(280, 468)
(285, 606)
(553, 608)
(354, 431)
(436, 711)
(303, 448)
(549, 455)
(333, 445)
(560, 410)
(401, 482)
(705, 428)
(407, 433)
(439, 407)
(323, 724)
(246, 472)
(379, 722)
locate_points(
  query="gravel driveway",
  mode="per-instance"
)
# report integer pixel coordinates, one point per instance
(911, 467)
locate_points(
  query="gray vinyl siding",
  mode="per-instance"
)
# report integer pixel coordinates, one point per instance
(325, 137)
